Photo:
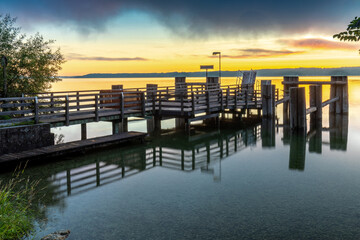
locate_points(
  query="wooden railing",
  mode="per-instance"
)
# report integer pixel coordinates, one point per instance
(69, 107)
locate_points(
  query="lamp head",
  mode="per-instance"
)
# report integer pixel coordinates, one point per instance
(216, 53)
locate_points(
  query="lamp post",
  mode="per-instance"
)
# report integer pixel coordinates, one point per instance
(219, 53)
(4, 62)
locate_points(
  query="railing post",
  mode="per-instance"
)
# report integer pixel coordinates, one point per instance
(192, 104)
(160, 99)
(122, 110)
(52, 101)
(221, 100)
(67, 112)
(246, 98)
(235, 99)
(78, 101)
(22, 102)
(36, 110)
(227, 96)
(96, 107)
(143, 105)
(208, 101)
(182, 104)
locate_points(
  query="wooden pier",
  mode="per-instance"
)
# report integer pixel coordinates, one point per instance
(186, 102)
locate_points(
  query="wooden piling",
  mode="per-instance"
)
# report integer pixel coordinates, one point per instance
(315, 92)
(339, 88)
(67, 111)
(288, 79)
(83, 131)
(268, 98)
(297, 108)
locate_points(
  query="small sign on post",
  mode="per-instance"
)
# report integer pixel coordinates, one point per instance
(206, 67)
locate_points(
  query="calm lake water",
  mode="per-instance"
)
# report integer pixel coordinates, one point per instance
(253, 182)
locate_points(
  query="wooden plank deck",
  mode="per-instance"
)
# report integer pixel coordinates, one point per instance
(70, 148)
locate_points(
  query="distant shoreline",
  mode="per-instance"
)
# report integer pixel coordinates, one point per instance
(346, 71)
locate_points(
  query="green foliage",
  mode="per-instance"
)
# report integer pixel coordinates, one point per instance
(16, 200)
(5, 117)
(352, 32)
(32, 62)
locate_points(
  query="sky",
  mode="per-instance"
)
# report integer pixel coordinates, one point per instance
(139, 36)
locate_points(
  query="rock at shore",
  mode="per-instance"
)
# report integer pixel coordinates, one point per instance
(59, 235)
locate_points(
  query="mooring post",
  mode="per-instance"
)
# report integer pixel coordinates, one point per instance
(315, 92)
(339, 88)
(297, 108)
(268, 98)
(288, 82)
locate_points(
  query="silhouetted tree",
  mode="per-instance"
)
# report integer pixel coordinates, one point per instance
(352, 32)
(32, 63)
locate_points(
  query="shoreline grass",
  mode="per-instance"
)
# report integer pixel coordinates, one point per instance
(16, 199)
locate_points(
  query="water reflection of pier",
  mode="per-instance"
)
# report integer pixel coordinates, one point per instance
(338, 136)
(203, 152)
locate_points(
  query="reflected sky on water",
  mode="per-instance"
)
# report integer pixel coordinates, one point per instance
(254, 182)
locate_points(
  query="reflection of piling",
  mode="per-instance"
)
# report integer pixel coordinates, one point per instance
(268, 132)
(297, 109)
(315, 136)
(297, 151)
(338, 131)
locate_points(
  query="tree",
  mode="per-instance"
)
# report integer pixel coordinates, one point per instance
(32, 62)
(352, 32)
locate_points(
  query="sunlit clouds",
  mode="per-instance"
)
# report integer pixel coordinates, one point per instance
(113, 36)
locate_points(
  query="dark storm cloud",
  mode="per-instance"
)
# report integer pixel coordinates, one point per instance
(197, 17)
(75, 56)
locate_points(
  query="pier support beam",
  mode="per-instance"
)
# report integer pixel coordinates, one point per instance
(268, 98)
(83, 131)
(297, 109)
(153, 124)
(120, 126)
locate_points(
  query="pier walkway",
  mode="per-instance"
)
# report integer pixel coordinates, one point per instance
(189, 101)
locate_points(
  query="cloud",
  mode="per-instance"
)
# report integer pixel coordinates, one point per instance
(75, 56)
(317, 43)
(199, 18)
(259, 53)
